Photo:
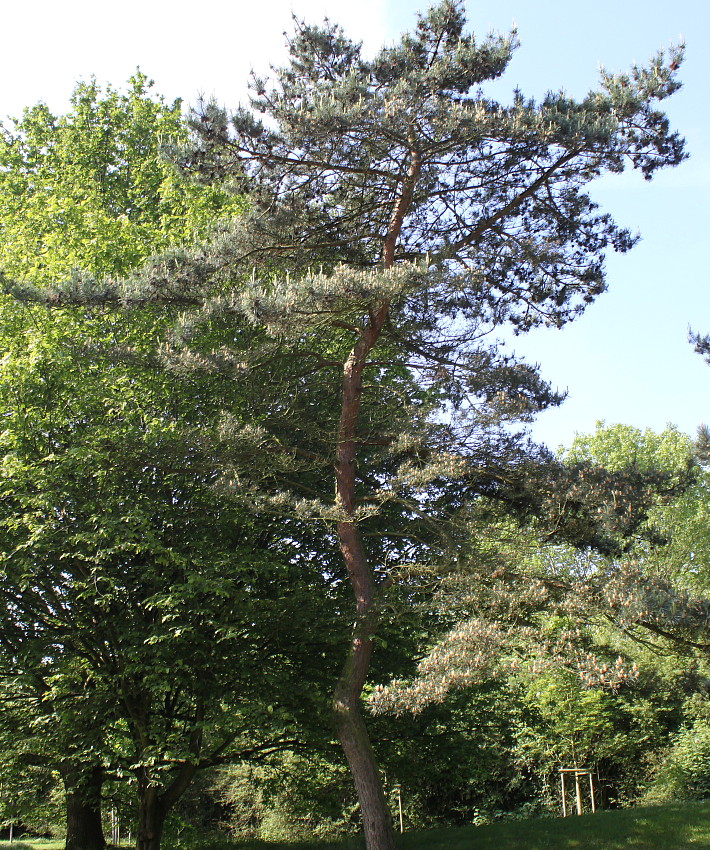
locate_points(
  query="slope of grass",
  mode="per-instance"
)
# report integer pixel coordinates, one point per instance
(663, 828)
(672, 827)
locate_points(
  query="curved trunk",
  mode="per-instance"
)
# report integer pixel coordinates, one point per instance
(376, 820)
(352, 732)
(350, 724)
(83, 807)
(355, 741)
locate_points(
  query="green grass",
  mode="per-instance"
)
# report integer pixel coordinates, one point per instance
(29, 844)
(673, 827)
(663, 828)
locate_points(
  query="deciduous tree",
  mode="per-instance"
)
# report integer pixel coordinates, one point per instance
(94, 644)
(89, 189)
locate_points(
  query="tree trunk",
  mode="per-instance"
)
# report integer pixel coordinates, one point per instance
(83, 807)
(151, 819)
(352, 732)
(377, 824)
(355, 741)
(154, 804)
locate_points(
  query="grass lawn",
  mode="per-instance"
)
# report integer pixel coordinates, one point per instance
(26, 844)
(660, 828)
(673, 827)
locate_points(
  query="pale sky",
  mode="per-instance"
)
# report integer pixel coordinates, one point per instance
(627, 359)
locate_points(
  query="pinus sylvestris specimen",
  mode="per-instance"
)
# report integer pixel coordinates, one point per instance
(414, 216)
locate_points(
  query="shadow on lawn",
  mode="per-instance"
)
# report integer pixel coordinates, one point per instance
(672, 827)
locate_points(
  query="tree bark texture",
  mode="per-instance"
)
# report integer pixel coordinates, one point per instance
(354, 739)
(83, 807)
(151, 819)
(350, 723)
(154, 802)
(154, 805)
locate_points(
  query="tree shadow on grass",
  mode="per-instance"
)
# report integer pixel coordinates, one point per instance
(683, 826)
(660, 828)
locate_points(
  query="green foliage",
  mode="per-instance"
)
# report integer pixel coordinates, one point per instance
(437, 216)
(295, 796)
(454, 763)
(667, 827)
(31, 797)
(124, 570)
(620, 448)
(684, 772)
(356, 131)
(578, 724)
(90, 189)
(142, 579)
(609, 732)
(682, 529)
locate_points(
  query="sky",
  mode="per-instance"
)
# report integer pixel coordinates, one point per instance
(627, 359)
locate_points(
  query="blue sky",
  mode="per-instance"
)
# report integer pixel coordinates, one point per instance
(627, 359)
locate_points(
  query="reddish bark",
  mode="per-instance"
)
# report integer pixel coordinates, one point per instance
(350, 723)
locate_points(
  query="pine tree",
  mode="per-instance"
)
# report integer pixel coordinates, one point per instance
(702, 444)
(415, 216)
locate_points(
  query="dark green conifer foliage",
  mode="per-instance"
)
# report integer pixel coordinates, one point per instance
(702, 444)
(415, 216)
